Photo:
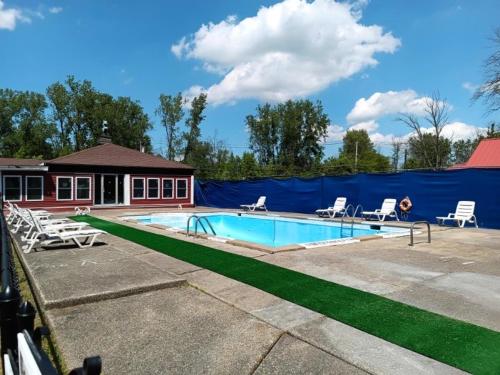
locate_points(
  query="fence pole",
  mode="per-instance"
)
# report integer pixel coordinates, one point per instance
(26, 317)
(9, 295)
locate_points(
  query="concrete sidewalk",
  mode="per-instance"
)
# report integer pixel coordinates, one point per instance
(145, 312)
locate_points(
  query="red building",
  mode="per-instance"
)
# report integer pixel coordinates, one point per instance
(103, 176)
(486, 155)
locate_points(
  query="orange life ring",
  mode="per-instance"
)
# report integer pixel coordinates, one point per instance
(405, 205)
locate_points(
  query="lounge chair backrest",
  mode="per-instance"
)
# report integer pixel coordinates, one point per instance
(388, 206)
(261, 201)
(339, 204)
(465, 209)
(35, 222)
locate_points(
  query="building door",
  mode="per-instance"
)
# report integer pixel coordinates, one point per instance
(109, 189)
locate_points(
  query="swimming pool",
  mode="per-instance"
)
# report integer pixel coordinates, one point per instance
(272, 231)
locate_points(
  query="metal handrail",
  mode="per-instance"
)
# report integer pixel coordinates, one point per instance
(198, 220)
(342, 226)
(346, 211)
(413, 227)
(356, 210)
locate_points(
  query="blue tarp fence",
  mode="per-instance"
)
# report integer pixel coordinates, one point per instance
(433, 193)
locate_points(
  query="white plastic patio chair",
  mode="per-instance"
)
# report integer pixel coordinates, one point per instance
(388, 209)
(51, 225)
(464, 213)
(48, 236)
(337, 208)
(260, 205)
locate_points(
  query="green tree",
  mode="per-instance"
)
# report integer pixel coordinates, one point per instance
(288, 135)
(170, 111)
(192, 136)
(420, 149)
(60, 103)
(358, 154)
(433, 150)
(24, 129)
(264, 133)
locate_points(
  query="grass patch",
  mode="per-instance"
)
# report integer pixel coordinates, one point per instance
(48, 344)
(460, 344)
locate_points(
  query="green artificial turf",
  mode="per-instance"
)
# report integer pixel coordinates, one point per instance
(463, 345)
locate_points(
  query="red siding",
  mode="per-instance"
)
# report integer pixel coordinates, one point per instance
(161, 200)
(49, 191)
(50, 198)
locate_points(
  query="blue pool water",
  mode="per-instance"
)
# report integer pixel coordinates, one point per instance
(271, 231)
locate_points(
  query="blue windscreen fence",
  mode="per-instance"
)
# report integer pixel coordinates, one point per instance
(433, 193)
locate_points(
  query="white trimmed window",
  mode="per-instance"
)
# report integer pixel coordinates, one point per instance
(182, 192)
(64, 188)
(34, 188)
(153, 188)
(168, 188)
(12, 188)
(137, 188)
(83, 188)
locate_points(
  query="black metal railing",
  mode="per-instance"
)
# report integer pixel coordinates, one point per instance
(18, 317)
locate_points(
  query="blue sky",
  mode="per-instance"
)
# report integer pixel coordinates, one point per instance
(366, 60)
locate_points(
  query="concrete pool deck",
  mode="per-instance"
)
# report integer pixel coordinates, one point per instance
(184, 319)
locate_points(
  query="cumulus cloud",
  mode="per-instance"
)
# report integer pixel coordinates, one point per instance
(287, 50)
(386, 103)
(55, 10)
(10, 16)
(368, 111)
(458, 130)
(335, 133)
(369, 126)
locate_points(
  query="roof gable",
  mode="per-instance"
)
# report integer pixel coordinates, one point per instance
(113, 155)
(486, 154)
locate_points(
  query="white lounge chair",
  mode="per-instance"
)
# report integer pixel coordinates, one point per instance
(50, 225)
(337, 208)
(260, 205)
(464, 213)
(388, 209)
(48, 236)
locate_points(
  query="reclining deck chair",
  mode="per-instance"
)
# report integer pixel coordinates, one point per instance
(388, 209)
(464, 213)
(260, 205)
(337, 208)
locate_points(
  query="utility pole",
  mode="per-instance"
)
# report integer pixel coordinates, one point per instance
(356, 159)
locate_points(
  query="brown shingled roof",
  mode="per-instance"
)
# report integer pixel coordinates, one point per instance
(113, 155)
(14, 162)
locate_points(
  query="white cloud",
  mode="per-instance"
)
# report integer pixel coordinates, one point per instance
(458, 130)
(335, 133)
(55, 10)
(287, 50)
(470, 86)
(369, 126)
(386, 103)
(10, 16)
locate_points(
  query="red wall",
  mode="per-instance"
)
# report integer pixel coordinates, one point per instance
(175, 200)
(50, 199)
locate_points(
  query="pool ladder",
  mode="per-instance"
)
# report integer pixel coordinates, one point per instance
(351, 222)
(199, 220)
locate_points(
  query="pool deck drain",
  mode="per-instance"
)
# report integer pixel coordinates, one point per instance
(290, 334)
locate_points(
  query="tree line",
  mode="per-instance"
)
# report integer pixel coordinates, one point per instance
(285, 139)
